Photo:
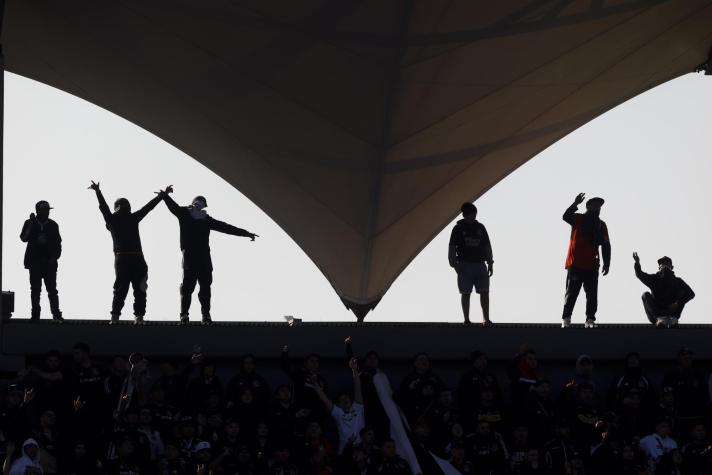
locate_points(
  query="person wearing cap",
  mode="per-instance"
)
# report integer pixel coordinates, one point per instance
(44, 247)
(195, 226)
(470, 254)
(129, 264)
(588, 233)
(668, 293)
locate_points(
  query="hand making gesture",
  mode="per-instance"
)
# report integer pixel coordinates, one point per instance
(579, 198)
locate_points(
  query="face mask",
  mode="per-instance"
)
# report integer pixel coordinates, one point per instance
(197, 210)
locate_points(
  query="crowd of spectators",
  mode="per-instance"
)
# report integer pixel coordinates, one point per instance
(132, 416)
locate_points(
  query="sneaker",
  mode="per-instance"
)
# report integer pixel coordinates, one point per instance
(468, 322)
(487, 323)
(138, 320)
(114, 320)
(672, 322)
(58, 318)
(661, 322)
(566, 323)
(206, 319)
(590, 323)
(184, 320)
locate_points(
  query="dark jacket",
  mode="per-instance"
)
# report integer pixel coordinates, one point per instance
(471, 241)
(123, 226)
(666, 287)
(44, 244)
(195, 235)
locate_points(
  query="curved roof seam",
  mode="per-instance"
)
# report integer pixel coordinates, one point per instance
(281, 26)
(522, 86)
(539, 67)
(308, 32)
(236, 70)
(391, 98)
(616, 63)
(643, 5)
(436, 24)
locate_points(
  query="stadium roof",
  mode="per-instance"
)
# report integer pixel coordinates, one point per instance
(358, 126)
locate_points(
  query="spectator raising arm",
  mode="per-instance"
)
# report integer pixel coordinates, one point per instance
(103, 207)
(140, 214)
(570, 213)
(173, 207)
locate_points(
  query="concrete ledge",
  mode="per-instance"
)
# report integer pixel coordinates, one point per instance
(392, 340)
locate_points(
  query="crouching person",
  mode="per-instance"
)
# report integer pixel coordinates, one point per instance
(668, 293)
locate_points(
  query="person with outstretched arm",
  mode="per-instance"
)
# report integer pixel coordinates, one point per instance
(588, 233)
(129, 263)
(668, 293)
(347, 412)
(44, 247)
(470, 254)
(195, 226)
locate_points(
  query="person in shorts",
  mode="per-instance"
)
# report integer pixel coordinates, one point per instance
(470, 254)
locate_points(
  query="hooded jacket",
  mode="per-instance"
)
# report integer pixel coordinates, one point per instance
(665, 286)
(20, 465)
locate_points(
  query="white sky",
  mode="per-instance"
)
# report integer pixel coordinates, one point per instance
(651, 159)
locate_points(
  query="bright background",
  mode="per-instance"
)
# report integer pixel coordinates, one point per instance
(650, 158)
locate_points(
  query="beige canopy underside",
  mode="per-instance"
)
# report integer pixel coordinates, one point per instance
(358, 126)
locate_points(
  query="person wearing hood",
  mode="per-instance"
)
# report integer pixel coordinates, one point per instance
(195, 226)
(29, 461)
(44, 247)
(588, 233)
(129, 263)
(470, 254)
(668, 293)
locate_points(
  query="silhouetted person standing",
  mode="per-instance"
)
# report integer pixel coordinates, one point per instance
(195, 226)
(668, 293)
(470, 254)
(588, 233)
(129, 263)
(44, 247)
